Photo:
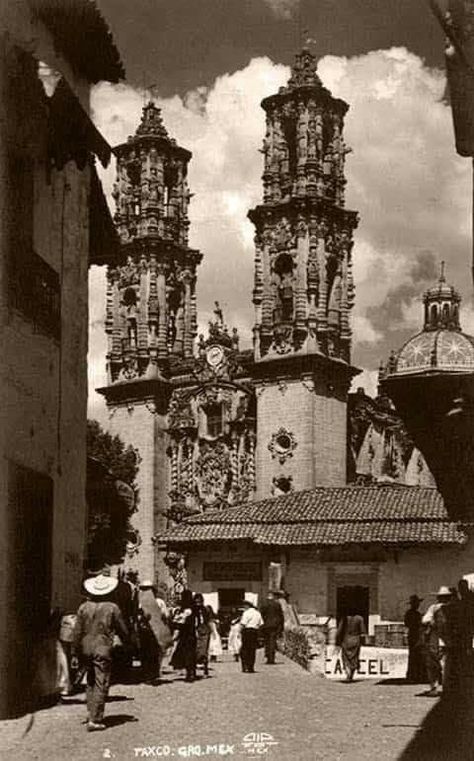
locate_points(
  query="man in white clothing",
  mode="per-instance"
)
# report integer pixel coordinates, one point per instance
(250, 623)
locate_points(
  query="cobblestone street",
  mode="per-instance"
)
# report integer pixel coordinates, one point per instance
(308, 718)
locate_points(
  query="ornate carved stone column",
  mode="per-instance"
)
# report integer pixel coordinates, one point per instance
(162, 311)
(188, 317)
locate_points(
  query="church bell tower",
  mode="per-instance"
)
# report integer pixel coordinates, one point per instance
(303, 289)
(150, 312)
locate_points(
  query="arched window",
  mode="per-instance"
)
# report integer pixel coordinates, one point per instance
(434, 313)
(214, 419)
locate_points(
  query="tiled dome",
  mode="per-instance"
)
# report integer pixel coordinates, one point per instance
(445, 350)
(441, 346)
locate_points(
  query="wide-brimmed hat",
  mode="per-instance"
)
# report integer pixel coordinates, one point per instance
(444, 592)
(415, 598)
(100, 585)
(146, 584)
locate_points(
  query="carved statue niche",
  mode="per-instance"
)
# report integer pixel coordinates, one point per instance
(174, 300)
(170, 178)
(283, 287)
(289, 129)
(334, 303)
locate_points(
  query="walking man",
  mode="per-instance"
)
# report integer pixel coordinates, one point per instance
(250, 623)
(98, 619)
(273, 621)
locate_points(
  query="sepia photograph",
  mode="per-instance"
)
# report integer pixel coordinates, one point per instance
(237, 380)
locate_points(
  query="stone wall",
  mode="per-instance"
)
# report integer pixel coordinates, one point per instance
(139, 424)
(308, 579)
(43, 386)
(315, 422)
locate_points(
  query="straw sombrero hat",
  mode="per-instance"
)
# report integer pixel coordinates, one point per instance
(100, 585)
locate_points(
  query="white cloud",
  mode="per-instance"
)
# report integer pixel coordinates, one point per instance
(412, 191)
(367, 380)
(364, 331)
(284, 9)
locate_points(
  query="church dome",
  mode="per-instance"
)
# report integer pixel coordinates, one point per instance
(444, 350)
(441, 346)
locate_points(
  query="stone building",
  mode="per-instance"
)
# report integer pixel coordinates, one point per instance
(367, 547)
(54, 221)
(259, 467)
(431, 382)
(223, 426)
(379, 447)
(372, 543)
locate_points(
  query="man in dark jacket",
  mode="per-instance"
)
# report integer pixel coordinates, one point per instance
(98, 619)
(273, 621)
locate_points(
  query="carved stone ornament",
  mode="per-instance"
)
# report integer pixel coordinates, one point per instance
(130, 370)
(281, 485)
(282, 340)
(180, 414)
(212, 473)
(129, 274)
(282, 445)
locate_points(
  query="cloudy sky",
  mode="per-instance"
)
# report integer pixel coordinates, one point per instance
(212, 61)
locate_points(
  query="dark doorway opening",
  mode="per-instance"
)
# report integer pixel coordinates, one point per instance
(353, 599)
(229, 601)
(30, 559)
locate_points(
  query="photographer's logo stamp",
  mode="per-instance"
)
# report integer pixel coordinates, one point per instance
(258, 743)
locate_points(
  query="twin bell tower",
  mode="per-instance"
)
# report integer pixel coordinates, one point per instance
(289, 427)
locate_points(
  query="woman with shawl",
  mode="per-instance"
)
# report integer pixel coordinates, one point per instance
(204, 617)
(350, 632)
(184, 654)
(155, 633)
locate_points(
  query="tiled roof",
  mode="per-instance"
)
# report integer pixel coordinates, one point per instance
(382, 514)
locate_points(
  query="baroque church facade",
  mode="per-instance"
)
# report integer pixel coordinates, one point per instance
(216, 426)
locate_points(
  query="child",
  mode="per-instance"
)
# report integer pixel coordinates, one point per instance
(235, 639)
(215, 643)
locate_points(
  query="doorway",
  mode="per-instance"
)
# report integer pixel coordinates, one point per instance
(353, 598)
(30, 572)
(229, 600)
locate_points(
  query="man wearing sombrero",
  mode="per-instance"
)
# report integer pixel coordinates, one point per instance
(432, 645)
(98, 619)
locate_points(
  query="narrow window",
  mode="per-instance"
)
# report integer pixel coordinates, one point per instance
(215, 423)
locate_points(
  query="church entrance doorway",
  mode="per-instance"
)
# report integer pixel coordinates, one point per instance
(355, 599)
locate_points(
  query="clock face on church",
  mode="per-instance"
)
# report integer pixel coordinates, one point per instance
(214, 356)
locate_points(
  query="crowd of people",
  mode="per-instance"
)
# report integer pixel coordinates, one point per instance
(121, 624)
(440, 641)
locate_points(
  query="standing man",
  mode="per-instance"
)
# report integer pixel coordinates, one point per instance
(98, 619)
(273, 621)
(250, 623)
(432, 645)
(412, 621)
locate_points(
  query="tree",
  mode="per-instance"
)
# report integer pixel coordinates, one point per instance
(111, 496)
